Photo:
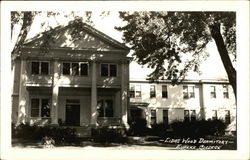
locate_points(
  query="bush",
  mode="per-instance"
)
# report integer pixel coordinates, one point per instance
(159, 130)
(138, 128)
(107, 134)
(60, 135)
(200, 128)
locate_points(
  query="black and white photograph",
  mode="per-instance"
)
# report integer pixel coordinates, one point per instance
(124, 81)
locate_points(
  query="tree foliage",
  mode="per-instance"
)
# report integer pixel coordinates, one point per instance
(25, 20)
(173, 43)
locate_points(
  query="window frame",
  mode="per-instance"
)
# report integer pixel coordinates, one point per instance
(153, 117)
(225, 93)
(189, 93)
(214, 115)
(186, 118)
(40, 68)
(154, 91)
(163, 117)
(40, 98)
(71, 69)
(227, 117)
(213, 92)
(191, 117)
(105, 110)
(162, 92)
(108, 69)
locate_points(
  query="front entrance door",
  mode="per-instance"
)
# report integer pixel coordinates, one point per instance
(73, 114)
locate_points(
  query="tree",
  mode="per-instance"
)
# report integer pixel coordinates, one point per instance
(25, 20)
(173, 43)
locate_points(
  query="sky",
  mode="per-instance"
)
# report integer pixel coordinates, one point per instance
(212, 68)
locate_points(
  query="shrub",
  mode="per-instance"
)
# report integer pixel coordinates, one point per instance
(60, 135)
(200, 128)
(108, 134)
(159, 130)
(138, 128)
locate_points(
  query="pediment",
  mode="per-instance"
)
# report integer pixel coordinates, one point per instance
(86, 38)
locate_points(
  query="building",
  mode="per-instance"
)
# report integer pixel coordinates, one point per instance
(162, 102)
(67, 78)
(64, 77)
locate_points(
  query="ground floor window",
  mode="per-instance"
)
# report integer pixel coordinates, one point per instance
(227, 117)
(189, 115)
(153, 116)
(214, 115)
(165, 116)
(40, 107)
(105, 108)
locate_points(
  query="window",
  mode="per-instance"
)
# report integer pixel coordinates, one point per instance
(186, 115)
(138, 91)
(165, 116)
(213, 92)
(188, 92)
(225, 91)
(40, 107)
(189, 115)
(152, 91)
(193, 115)
(105, 108)
(227, 117)
(44, 68)
(153, 116)
(45, 110)
(113, 70)
(66, 68)
(132, 91)
(214, 115)
(164, 92)
(135, 91)
(84, 69)
(75, 68)
(109, 70)
(40, 68)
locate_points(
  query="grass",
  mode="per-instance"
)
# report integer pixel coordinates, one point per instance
(145, 142)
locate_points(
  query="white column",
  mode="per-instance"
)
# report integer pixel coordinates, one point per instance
(55, 93)
(202, 106)
(124, 92)
(23, 94)
(93, 120)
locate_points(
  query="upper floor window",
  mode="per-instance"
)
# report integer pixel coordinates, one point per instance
(75, 68)
(188, 92)
(164, 92)
(152, 91)
(135, 91)
(40, 107)
(109, 70)
(225, 91)
(213, 92)
(40, 68)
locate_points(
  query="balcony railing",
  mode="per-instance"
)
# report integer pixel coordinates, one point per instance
(107, 121)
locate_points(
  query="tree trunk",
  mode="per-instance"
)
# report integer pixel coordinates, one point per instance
(231, 72)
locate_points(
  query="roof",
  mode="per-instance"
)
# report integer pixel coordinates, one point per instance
(88, 38)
